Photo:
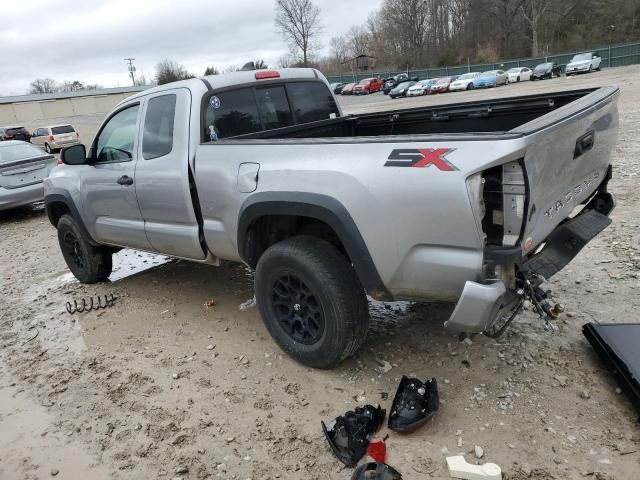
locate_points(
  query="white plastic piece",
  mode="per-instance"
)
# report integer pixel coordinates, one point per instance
(459, 468)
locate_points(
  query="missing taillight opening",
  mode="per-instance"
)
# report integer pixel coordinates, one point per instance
(504, 196)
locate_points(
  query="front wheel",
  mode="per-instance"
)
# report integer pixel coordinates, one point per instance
(47, 148)
(88, 264)
(311, 301)
(470, 86)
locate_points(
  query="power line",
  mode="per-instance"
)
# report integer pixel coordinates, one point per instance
(132, 69)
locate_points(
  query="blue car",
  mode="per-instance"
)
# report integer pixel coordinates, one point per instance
(492, 78)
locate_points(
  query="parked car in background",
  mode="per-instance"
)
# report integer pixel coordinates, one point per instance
(348, 89)
(464, 81)
(421, 87)
(55, 137)
(23, 167)
(337, 86)
(584, 63)
(402, 89)
(492, 78)
(14, 133)
(518, 74)
(546, 70)
(368, 85)
(393, 82)
(442, 84)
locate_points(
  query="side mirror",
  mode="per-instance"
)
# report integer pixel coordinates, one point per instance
(74, 155)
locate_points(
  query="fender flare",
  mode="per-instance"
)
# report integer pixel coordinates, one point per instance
(326, 209)
(66, 199)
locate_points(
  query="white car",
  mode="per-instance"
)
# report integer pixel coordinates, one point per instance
(420, 88)
(583, 63)
(518, 74)
(55, 137)
(464, 81)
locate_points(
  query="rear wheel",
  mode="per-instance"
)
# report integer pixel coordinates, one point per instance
(470, 86)
(311, 301)
(88, 264)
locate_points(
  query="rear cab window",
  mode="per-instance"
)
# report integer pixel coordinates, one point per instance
(62, 129)
(157, 137)
(248, 110)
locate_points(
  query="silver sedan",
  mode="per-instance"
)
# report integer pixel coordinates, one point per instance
(23, 167)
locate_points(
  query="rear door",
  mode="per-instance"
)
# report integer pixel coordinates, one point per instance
(64, 135)
(162, 176)
(109, 193)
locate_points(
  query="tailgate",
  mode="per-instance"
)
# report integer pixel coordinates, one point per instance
(566, 159)
(25, 172)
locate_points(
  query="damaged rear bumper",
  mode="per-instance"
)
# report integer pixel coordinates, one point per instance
(481, 304)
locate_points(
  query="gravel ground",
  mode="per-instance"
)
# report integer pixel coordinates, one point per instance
(162, 386)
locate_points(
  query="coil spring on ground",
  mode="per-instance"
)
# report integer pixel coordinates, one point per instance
(91, 303)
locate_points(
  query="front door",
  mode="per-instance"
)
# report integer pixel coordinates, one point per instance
(110, 204)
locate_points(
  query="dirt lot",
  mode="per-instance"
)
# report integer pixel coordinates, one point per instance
(160, 386)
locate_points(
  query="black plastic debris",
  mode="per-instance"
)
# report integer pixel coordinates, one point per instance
(349, 435)
(414, 404)
(618, 345)
(375, 471)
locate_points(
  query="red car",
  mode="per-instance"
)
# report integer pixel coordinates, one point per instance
(348, 89)
(442, 85)
(368, 85)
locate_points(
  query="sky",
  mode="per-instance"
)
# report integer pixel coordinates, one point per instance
(88, 40)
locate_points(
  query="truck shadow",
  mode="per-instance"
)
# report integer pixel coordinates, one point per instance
(19, 214)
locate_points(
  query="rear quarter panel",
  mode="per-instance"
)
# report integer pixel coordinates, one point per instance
(417, 222)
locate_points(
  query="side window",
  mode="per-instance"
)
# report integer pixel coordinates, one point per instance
(274, 107)
(157, 137)
(311, 101)
(116, 140)
(232, 113)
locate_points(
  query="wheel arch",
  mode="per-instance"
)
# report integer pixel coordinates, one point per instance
(317, 210)
(59, 204)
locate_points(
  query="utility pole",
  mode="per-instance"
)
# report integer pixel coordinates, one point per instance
(132, 70)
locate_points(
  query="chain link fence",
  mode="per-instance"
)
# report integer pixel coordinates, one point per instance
(612, 56)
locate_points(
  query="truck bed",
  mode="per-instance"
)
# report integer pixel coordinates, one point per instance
(500, 115)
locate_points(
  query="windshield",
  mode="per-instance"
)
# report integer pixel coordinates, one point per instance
(443, 81)
(20, 151)
(365, 81)
(468, 76)
(62, 129)
(513, 70)
(421, 83)
(544, 66)
(489, 74)
(404, 85)
(581, 57)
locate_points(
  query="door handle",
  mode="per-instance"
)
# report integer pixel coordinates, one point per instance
(125, 180)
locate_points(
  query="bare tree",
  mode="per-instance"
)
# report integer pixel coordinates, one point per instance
(211, 71)
(170, 71)
(260, 65)
(532, 11)
(43, 85)
(69, 86)
(299, 23)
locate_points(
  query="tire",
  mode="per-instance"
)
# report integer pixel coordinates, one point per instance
(470, 87)
(47, 148)
(88, 264)
(518, 79)
(329, 286)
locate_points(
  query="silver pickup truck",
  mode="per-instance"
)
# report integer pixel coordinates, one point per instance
(475, 203)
